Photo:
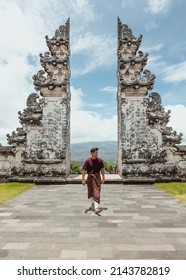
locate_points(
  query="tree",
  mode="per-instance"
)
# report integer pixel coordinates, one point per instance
(110, 166)
(76, 168)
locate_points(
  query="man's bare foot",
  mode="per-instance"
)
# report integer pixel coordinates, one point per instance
(92, 207)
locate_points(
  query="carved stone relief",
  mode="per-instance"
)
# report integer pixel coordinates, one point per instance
(145, 142)
(147, 147)
(41, 143)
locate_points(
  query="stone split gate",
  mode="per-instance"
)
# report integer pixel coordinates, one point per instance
(148, 150)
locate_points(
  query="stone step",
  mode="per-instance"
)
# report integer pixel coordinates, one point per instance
(109, 178)
(71, 179)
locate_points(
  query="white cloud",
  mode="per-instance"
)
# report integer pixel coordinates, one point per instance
(18, 31)
(23, 26)
(158, 6)
(21, 35)
(175, 73)
(177, 119)
(151, 26)
(129, 3)
(152, 6)
(97, 51)
(15, 88)
(111, 89)
(89, 126)
(83, 8)
(57, 11)
(95, 105)
(154, 48)
(155, 61)
(158, 64)
(77, 96)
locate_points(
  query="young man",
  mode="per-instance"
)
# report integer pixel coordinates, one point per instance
(94, 165)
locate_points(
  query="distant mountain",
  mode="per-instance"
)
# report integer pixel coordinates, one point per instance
(81, 151)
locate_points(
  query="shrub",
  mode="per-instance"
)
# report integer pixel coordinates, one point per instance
(76, 168)
(110, 166)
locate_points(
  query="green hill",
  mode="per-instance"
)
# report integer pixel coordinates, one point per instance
(81, 151)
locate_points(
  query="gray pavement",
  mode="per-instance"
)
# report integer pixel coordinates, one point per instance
(54, 222)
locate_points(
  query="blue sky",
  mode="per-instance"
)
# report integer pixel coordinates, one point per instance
(24, 24)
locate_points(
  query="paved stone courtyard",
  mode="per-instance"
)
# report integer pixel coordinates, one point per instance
(54, 222)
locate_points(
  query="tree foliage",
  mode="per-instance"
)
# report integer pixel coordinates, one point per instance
(110, 166)
(76, 168)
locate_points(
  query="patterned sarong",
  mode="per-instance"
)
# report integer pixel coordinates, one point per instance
(94, 186)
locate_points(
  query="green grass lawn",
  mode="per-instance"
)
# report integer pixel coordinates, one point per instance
(178, 190)
(10, 190)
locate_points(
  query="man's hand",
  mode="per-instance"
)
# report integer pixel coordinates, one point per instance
(83, 177)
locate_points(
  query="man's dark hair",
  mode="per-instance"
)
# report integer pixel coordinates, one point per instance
(93, 150)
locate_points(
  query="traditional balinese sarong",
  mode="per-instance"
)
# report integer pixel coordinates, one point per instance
(94, 186)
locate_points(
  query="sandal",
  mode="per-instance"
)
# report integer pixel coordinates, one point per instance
(97, 211)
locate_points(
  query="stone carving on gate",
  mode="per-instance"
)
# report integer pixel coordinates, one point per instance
(148, 149)
(40, 149)
(145, 144)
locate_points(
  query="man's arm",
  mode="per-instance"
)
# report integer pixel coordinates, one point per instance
(103, 175)
(83, 176)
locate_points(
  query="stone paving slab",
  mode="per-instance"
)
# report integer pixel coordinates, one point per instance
(54, 222)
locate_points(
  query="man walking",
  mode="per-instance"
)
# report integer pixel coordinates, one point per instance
(93, 166)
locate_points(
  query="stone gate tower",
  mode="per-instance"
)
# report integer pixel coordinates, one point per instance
(40, 149)
(147, 148)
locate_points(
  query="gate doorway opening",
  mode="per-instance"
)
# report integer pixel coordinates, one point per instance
(107, 151)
